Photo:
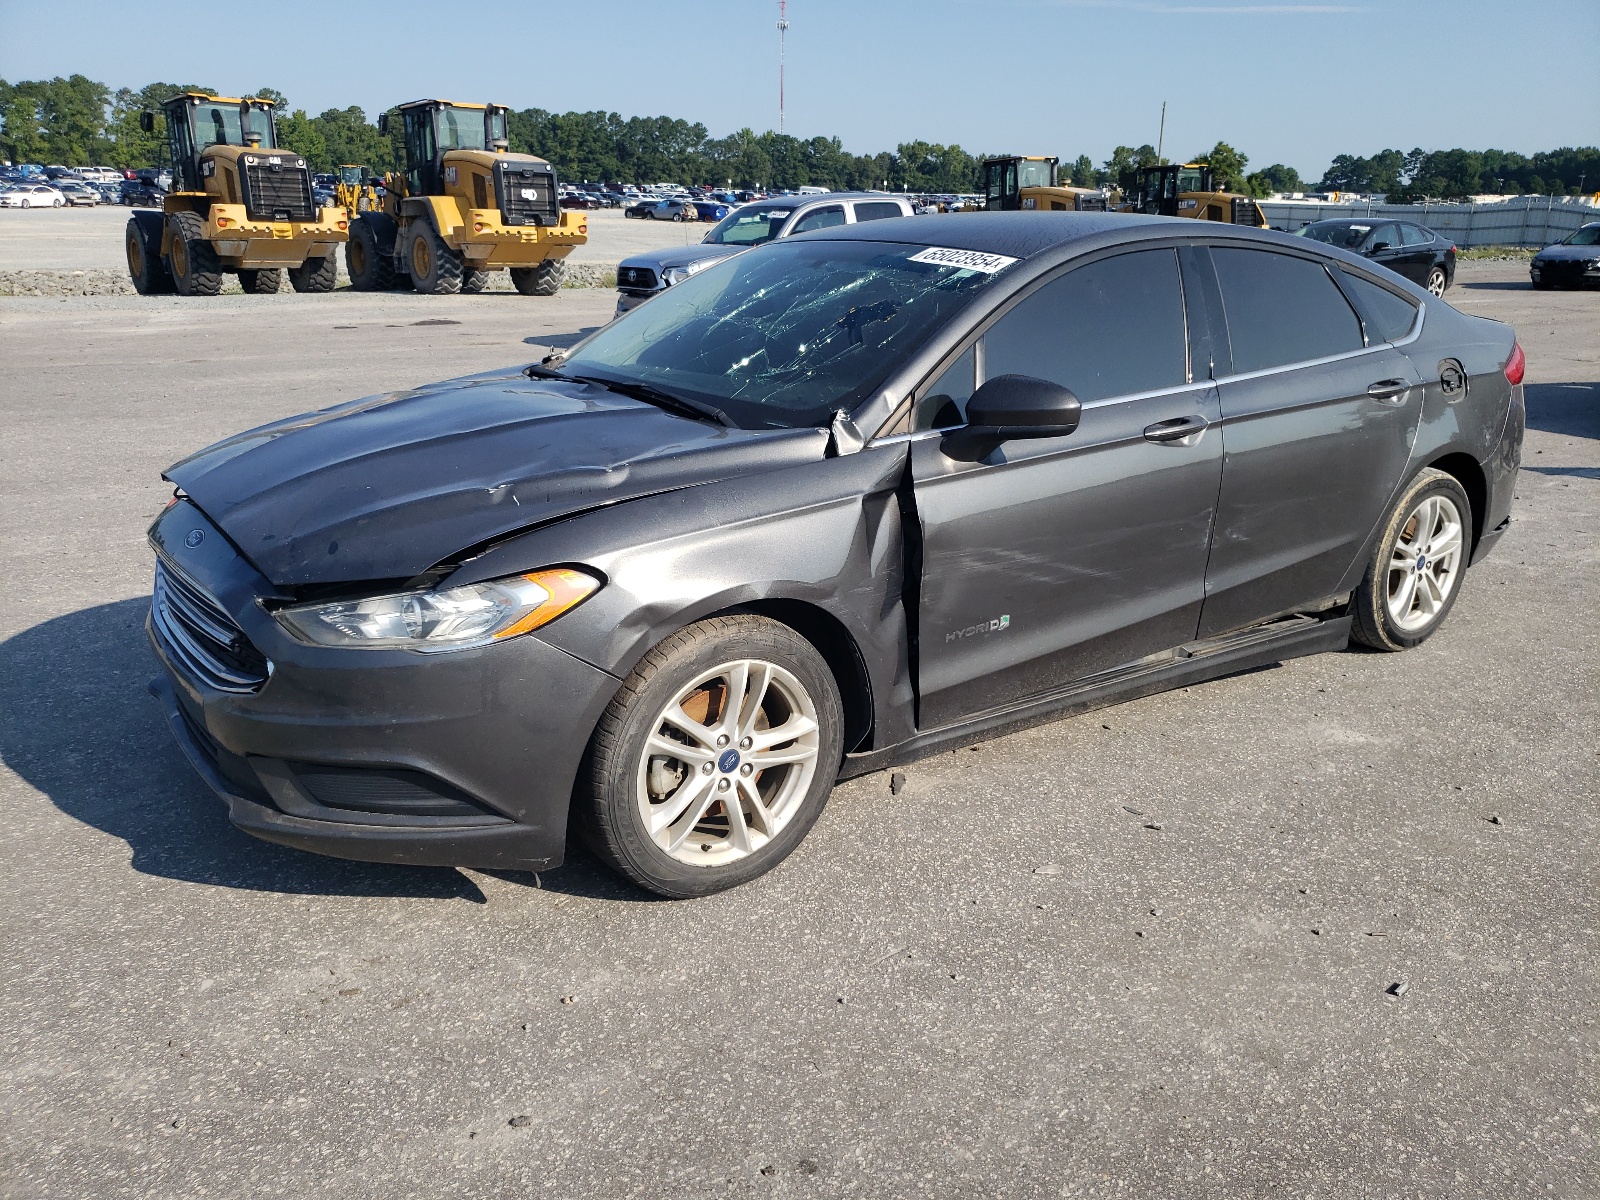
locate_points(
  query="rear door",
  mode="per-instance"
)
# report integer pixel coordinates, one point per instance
(1383, 246)
(1046, 560)
(1317, 427)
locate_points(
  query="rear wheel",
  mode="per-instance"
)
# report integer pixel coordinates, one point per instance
(474, 281)
(260, 282)
(435, 268)
(715, 758)
(315, 274)
(1436, 281)
(542, 280)
(1415, 573)
(195, 267)
(143, 246)
(371, 269)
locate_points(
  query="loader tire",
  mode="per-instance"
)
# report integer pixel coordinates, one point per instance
(543, 280)
(261, 281)
(371, 267)
(435, 269)
(145, 265)
(196, 269)
(474, 281)
(315, 274)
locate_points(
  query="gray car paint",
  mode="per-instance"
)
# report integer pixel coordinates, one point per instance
(874, 554)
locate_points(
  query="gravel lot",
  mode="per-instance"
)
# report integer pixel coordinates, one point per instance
(1144, 953)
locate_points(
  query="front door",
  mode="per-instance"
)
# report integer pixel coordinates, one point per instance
(1317, 429)
(1048, 560)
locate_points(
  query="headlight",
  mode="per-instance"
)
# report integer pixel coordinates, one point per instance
(472, 615)
(676, 275)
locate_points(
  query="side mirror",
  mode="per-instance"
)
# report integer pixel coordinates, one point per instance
(383, 123)
(1020, 406)
(1379, 246)
(147, 122)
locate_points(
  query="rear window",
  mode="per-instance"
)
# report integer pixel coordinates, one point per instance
(877, 210)
(1389, 317)
(1282, 309)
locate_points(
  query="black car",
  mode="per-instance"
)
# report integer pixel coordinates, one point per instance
(841, 501)
(1419, 254)
(141, 193)
(1571, 262)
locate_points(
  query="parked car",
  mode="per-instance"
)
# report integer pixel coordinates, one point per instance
(578, 200)
(1419, 254)
(639, 208)
(33, 195)
(141, 193)
(1571, 262)
(675, 209)
(645, 275)
(889, 488)
(79, 193)
(710, 210)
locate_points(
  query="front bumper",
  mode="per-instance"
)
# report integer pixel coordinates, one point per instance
(1565, 272)
(629, 300)
(245, 242)
(504, 728)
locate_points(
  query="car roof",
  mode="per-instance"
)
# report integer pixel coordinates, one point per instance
(1014, 234)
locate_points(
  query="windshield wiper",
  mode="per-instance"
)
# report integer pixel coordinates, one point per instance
(695, 409)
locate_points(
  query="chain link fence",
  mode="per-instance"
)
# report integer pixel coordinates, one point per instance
(1517, 221)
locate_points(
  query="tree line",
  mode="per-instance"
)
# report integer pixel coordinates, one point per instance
(76, 121)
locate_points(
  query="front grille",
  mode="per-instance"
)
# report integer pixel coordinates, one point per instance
(1244, 211)
(527, 194)
(277, 192)
(200, 639)
(390, 790)
(642, 278)
(1090, 203)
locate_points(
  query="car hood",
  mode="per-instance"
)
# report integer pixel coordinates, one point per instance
(389, 486)
(681, 256)
(1567, 253)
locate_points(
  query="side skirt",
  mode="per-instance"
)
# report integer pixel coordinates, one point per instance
(1292, 637)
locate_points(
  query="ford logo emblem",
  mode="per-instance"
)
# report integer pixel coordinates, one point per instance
(196, 536)
(729, 762)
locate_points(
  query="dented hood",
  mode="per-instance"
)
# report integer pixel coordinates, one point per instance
(389, 486)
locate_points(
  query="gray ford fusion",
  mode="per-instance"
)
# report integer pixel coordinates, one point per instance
(835, 503)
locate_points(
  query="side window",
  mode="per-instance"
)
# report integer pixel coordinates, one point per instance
(945, 402)
(877, 210)
(1410, 235)
(1111, 328)
(820, 218)
(1282, 309)
(1389, 317)
(1385, 233)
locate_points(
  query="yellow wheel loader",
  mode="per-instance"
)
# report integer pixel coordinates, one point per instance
(463, 207)
(238, 205)
(1018, 182)
(1189, 190)
(354, 191)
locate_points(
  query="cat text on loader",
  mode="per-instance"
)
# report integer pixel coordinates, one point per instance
(1189, 190)
(463, 207)
(238, 205)
(1015, 182)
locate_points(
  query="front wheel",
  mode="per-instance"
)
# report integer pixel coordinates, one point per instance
(317, 274)
(260, 281)
(196, 269)
(435, 269)
(715, 758)
(1415, 572)
(1436, 281)
(542, 280)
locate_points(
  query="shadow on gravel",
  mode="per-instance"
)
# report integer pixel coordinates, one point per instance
(77, 724)
(1496, 285)
(1569, 408)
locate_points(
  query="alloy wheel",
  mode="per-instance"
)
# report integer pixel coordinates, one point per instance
(1425, 563)
(1436, 281)
(728, 763)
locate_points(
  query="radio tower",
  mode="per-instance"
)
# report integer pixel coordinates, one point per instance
(783, 33)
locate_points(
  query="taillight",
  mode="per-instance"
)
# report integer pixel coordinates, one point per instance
(1516, 366)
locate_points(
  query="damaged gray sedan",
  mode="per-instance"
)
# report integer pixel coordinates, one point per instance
(835, 503)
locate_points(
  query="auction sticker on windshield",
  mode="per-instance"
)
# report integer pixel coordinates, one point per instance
(969, 260)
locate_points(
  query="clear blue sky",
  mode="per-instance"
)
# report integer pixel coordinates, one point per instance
(1293, 81)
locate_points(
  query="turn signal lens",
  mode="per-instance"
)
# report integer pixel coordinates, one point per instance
(583, 229)
(474, 614)
(1517, 365)
(222, 222)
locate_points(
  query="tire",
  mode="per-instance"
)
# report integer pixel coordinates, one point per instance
(371, 268)
(1415, 573)
(627, 801)
(435, 269)
(57, 203)
(261, 281)
(196, 270)
(316, 274)
(679, 217)
(474, 282)
(1437, 282)
(542, 280)
(142, 244)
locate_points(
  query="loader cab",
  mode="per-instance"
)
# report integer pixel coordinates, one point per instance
(433, 128)
(196, 121)
(1004, 179)
(1156, 188)
(352, 176)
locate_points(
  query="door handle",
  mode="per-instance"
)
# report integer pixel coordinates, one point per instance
(1389, 389)
(1175, 430)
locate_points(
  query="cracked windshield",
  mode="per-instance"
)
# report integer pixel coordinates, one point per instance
(784, 336)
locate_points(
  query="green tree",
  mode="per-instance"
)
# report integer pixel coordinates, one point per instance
(130, 145)
(1125, 160)
(278, 99)
(55, 120)
(1082, 172)
(300, 133)
(1276, 178)
(1227, 166)
(348, 138)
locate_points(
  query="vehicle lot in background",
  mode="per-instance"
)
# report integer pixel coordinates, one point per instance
(966, 976)
(1573, 262)
(1407, 249)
